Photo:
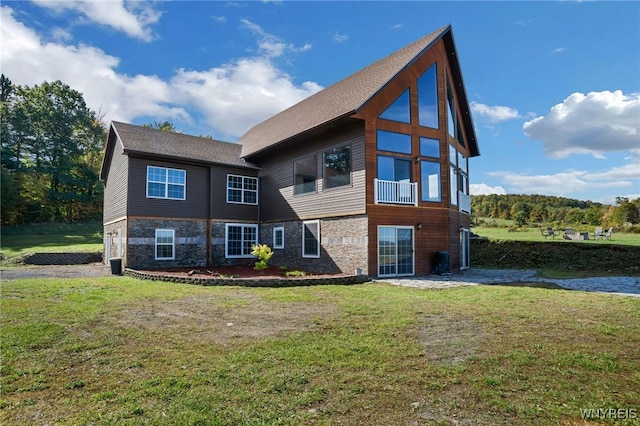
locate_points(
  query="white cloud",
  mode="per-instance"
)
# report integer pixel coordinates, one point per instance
(595, 123)
(339, 38)
(484, 189)
(571, 181)
(133, 18)
(219, 19)
(26, 60)
(494, 113)
(397, 26)
(271, 45)
(239, 95)
(233, 96)
(559, 50)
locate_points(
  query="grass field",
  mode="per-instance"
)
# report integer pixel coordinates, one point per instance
(120, 351)
(534, 234)
(21, 241)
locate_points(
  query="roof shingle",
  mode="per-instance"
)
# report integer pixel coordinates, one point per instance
(145, 140)
(338, 100)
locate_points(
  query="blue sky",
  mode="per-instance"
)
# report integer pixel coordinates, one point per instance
(554, 87)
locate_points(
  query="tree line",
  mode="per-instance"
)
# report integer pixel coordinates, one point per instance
(52, 147)
(551, 210)
(51, 154)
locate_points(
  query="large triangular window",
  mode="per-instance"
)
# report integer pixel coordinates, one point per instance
(428, 98)
(399, 110)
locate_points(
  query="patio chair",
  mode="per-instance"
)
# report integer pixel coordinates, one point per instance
(549, 232)
(597, 234)
(569, 234)
(607, 235)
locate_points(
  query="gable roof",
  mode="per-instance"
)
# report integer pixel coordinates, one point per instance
(139, 140)
(346, 96)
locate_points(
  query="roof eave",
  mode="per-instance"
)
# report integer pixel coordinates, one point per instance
(298, 135)
(470, 134)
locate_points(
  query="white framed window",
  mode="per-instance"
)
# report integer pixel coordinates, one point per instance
(239, 239)
(311, 238)
(166, 183)
(165, 244)
(242, 189)
(278, 237)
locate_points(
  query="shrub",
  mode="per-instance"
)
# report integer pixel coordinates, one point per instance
(263, 252)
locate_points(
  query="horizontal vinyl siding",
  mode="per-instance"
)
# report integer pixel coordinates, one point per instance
(230, 211)
(195, 205)
(277, 201)
(115, 191)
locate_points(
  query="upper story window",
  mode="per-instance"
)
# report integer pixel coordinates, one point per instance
(451, 113)
(399, 110)
(242, 189)
(305, 174)
(337, 167)
(430, 181)
(163, 182)
(394, 169)
(429, 147)
(428, 98)
(393, 142)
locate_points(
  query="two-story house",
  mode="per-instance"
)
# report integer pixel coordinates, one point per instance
(370, 173)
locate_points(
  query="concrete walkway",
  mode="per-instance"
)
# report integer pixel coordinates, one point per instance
(629, 286)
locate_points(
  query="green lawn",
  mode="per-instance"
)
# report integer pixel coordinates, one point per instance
(534, 234)
(50, 238)
(116, 350)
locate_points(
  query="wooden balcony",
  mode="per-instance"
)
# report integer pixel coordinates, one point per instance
(391, 192)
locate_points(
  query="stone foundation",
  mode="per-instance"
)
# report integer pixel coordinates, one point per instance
(190, 243)
(343, 246)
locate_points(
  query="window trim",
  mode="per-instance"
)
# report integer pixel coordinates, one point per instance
(304, 224)
(324, 168)
(226, 239)
(275, 231)
(173, 244)
(242, 190)
(166, 184)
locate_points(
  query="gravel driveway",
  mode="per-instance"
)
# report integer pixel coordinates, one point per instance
(56, 271)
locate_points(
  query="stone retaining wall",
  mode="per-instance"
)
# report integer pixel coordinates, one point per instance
(62, 258)
(251, 282)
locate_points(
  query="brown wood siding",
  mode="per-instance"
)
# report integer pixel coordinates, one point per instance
(222, 210)
(115, 190)
(196, 204)
(276, 198)
(440, 221)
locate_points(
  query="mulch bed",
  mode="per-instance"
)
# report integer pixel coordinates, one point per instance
(236, 271)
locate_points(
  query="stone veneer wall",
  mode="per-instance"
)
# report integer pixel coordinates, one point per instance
(190, 243)
(218, 231)
(343, 246)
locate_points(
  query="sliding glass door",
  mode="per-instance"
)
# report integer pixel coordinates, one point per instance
(395, 251)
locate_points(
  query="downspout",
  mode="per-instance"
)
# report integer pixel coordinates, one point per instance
(209, 239)
(258, 212)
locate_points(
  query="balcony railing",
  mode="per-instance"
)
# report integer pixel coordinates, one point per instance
(391, 192)
(464, 202)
